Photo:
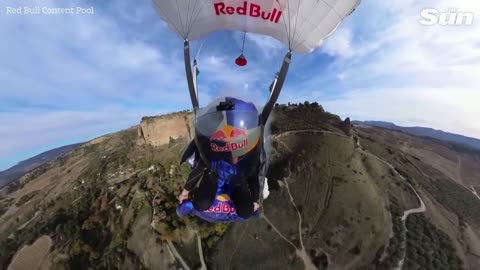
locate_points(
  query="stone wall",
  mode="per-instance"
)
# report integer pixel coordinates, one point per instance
(158, 130)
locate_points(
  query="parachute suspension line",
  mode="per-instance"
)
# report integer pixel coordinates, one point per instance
(286, 30)
(194, 18)
(190, 18)
(296, 20)
(312, 10)
(199, 50)
(169, 20)
(189, 74)
(243, 43)
(277, 87)
(181, 21)
(289, 33)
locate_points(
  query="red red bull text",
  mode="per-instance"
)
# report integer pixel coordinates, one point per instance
(221, 207)
(248, 9)
(229, 146)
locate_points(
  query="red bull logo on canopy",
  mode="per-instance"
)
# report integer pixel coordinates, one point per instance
(234, 138)
(248, 9)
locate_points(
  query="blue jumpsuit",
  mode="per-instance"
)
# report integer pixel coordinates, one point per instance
(231, 192)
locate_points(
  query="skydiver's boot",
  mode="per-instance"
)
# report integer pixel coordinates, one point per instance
(262, 179)
(243, 201)
(204, 195)
(266, 191)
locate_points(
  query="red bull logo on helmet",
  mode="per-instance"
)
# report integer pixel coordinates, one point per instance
(248, 9)
(231, 136)
(229, 146)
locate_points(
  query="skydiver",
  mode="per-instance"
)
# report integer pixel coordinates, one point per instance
(226, 153)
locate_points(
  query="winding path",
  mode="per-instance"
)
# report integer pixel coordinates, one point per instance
(177, 255)
(171, 246)
(200, 252)
(420, 209)
(301, 252)
(459, 175)
(406, 213)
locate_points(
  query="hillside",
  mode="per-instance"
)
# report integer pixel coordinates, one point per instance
(337, 198)
(427, 132)
(23, 167)
(447, 180)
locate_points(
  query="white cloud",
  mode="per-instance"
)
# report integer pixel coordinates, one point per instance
(402, 71)
(452, 110)
(221, 77)
(340, 44)
(83, 60)
(268, 47)
(135, 55)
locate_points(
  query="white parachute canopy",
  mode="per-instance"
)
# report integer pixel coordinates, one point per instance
(300, 24)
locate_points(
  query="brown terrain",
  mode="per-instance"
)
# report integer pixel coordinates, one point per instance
(437, 171)
(157, 131)
(34, 256)
(337, 197)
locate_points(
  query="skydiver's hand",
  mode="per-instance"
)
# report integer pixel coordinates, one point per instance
(255, 206)
(183, 196)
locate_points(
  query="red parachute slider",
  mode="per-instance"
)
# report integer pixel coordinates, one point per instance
(241, 60)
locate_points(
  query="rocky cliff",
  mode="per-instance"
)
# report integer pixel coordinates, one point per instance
(160, 130)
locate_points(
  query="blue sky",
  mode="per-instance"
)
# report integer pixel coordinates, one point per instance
(71, 78)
